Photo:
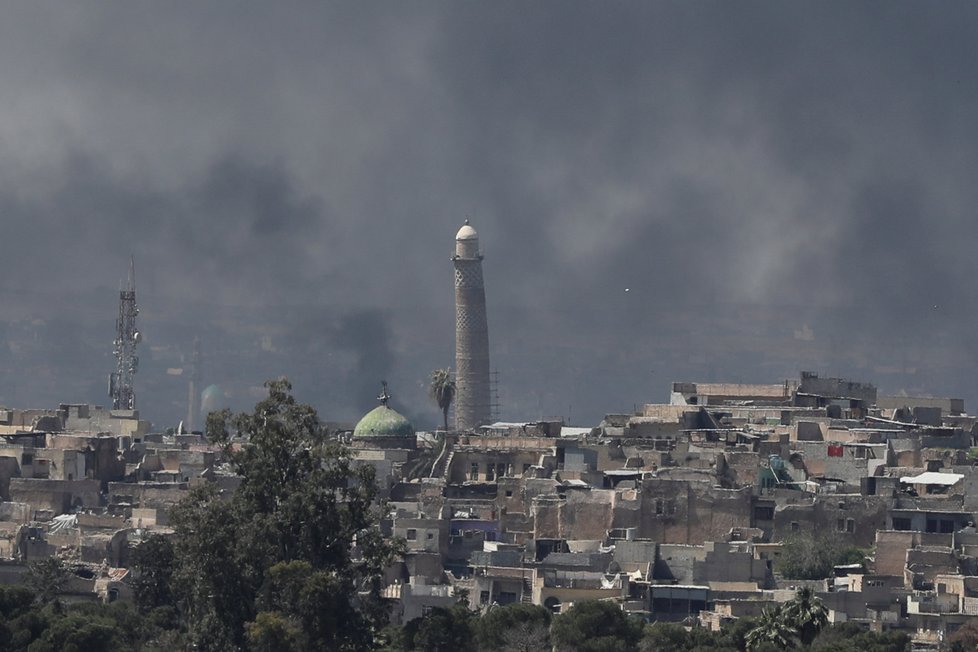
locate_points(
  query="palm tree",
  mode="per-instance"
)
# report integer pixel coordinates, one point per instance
(442, 391)
(771, 630)
(806, 614)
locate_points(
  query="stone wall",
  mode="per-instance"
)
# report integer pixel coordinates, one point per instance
(58, 496)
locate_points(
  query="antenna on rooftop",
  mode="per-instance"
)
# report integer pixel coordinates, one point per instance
(124, 346)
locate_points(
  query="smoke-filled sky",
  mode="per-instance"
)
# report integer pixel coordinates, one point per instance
(779, 186)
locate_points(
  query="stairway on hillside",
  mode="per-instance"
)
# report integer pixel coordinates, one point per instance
(444, 462)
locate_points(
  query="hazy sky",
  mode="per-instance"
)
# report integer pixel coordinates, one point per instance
(759, 175)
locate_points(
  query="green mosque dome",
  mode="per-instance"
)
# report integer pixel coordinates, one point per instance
(383, 421)
(212, 399)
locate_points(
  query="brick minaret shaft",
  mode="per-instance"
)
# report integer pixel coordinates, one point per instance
(472, 403)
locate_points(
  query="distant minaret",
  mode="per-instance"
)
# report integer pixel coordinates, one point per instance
(193, 398)
(472, 402)
(126, 339)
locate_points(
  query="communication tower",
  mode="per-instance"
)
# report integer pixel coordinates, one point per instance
(124, 349)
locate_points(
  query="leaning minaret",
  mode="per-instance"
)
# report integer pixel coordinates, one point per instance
(472, 405)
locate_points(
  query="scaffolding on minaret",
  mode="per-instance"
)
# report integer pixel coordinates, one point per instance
(494, 405)
(124, 347)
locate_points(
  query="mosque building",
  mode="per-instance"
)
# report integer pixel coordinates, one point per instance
(385, 440)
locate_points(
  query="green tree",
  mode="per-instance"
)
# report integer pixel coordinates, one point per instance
(806, 614)
(659, 637)
(595, 626)
(770, 630)
(673, 637)
(850, 637)
(964, 638)
(297, 540)
(442, 391)
(272, 631)
(443, 629)
(152, 573)
(514, 628)
(733, 636)
(16, 602)
(805, 556)
(26, 624)
(79, 632)
(215, 579)
(47, 578)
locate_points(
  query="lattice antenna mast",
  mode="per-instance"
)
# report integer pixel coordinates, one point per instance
(126, 339)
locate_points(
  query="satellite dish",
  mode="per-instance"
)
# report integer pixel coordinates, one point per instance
(137, 337)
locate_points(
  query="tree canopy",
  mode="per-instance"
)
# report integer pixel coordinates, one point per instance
(442, 391)
(514, 628)
(292, 559)
(795, 623)
(807, 556)
(595, 626)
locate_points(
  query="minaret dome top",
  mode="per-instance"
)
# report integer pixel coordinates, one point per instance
(467, 242)
(466, 232)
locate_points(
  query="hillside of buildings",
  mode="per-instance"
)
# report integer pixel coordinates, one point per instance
(711, 507)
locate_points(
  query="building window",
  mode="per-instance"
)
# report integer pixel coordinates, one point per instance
(430, 536)
(412, 534)
(795, 527)
(506, 597)
(846, 525)
(658, 506)
(901, 523)
(484, 597)
(764, 513)
(474, 471)
(860, 453)
(509, 493)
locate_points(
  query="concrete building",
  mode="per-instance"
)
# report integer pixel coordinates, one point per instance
(472, 401)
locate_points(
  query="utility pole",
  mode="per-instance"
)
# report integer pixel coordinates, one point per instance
(193, 400)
